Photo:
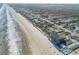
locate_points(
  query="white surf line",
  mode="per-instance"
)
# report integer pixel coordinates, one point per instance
(12, 35)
